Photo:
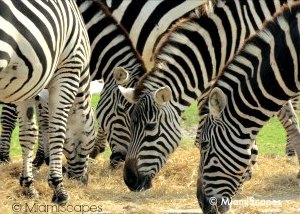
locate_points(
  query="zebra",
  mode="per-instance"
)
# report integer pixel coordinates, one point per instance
(107, 63)
(163, 14)
(148, 21)
(251, 89)
(157, 16)
(44, 44)
(196, 44)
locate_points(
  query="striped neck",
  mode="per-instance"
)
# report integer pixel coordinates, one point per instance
(258, 82)
(110, 43)
(197, 48)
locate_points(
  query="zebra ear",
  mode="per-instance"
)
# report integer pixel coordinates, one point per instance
(163, 95)
(217, 102)
(128, 93)
(121, 75)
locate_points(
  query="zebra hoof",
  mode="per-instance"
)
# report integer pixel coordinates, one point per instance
(84, 179)
(30, 192)
(60, 195)
(38, 161)
(60, 199)
(96, 151)
(116, 159)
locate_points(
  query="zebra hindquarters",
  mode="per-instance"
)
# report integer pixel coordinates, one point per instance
(8, 122)
(28, 134)
(81, 134)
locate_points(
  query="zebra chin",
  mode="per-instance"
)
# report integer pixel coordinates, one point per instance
(135, 181)
(211, 204)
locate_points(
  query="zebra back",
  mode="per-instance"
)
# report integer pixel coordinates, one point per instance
(147, 21)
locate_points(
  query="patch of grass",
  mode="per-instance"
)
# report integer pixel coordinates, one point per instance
(190, 116)
(271, 139)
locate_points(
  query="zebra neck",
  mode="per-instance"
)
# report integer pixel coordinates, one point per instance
(196, 49)
(110, 43)
(264, 75)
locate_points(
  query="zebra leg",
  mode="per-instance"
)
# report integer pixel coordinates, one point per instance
(254, 154)
(39, 157)
(289, 120)
(8, 121)
(100, 144)
(43, 121)
(27, 135)
(60, 103)
(80, 135)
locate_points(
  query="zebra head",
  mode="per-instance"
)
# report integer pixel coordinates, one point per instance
(155, 133)
(225, 151)
(113, 113)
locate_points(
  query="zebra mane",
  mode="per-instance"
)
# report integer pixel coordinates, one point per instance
(204, 10)
(287, 11)
(107, 12)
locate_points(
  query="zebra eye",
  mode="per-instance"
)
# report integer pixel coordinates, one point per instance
(150, 126)
(204, 144)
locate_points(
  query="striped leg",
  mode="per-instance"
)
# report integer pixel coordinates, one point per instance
(43, 121)
(100, 144)
(27, 135)
(80, 134)
(60, 103)
(289, 121)
(8, 121)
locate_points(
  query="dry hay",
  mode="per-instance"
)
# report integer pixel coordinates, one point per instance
(173, 189)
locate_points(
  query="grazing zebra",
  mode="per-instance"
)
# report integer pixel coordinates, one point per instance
(45, 44)
(147, 21)
(157, 16)
(108, 63)
(252, 88)
(194, 52)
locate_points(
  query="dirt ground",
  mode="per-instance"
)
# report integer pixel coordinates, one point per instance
(273, 189)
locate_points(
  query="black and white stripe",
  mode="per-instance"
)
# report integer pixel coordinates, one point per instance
(195, 51)
(156, 17)
(147, 21)
(108, 63)
(45, 44)
(251, 89)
